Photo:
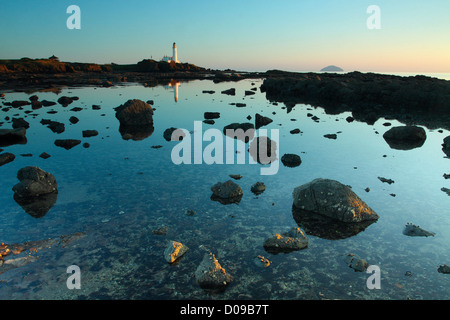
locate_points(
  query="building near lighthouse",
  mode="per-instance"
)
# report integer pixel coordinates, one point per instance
(174, 56)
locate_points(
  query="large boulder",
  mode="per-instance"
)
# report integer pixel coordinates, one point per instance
(34, 182)
(135, 113)
(332, 199)
(405, 137)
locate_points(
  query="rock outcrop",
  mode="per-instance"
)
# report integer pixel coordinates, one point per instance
(405, 137)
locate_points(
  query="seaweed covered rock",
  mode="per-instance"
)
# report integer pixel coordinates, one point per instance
(210, 275)
(174, 250)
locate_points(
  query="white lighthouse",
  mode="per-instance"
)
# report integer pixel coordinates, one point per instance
(175, 57)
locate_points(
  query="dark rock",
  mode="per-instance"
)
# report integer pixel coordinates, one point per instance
(136, 133)
(212, 115)
(73, 120)
(261, 121)
(6, 158)
(446, 146)
(446, 190)
(405, 137)
(89, 133)
(65, 101)
(291, 160)
(331, 136)
(384, 180)
(332, 199)
(444, 269)
(86, 145)
(416, 231)
(208, 91)
(295, 131)
(174, 250)
(350, 119)
(37, 207)
(34, 182)
(241, 131)
(12, 136)
(33, 98)
(96, 107)
(258, 188)
(227, 192)
(76, 109)
(55, 126)
(135, 113)
(19, 103)
(208, 121)
(67, 143)
(211, 276)
(240, 105)
(179, 134)
(236, 176)
(20, 123)
(249, 92)
(230, 92)
(46, 103)
(44, 155)
(446, 176)
(293, 240)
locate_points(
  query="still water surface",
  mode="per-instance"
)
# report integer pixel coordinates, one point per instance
(118, 192)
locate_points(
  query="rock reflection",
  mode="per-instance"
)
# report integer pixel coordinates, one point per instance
(136, 133)
(326, 228)
(37, 207)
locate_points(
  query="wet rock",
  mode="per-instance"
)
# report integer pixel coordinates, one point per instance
(236, 176)
(55, 126)
(135, 113)
(444, 269)
(73, 120)
(96, 107)
(208, 91)
(89, 133)
(212, 115)
(293, 240)
(249, 92)
(384, 180)
(295, 131)
(209, 121)
(179, 134)
(446, 176)
(44, 155)
(227, 192)
(6, 158)
(19, 103)
(416, 231)
(446, 146)
(37, 207)
(33, 98)
(34, 182)
(262, 261)
(405, 137)
(332, 199)
(65, 101)
(67, 143)
(210, 275)
(446, 190)
(12, 136)
(161, 231)
(174, 250)
(263, 150)
(261, 121)
(258, 188)
(230, 92)
(356, 263)
(76, 109)
(331, 136)
(240, 105)
(291, 160)
(20, 123)
(241, 131)
(47, 103)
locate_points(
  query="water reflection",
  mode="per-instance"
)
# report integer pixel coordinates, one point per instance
(37, 207)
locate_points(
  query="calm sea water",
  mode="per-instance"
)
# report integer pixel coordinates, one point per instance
(118, 192)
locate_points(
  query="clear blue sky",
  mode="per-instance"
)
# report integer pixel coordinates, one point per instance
(299, 35)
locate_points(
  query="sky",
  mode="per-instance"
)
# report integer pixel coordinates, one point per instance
(246, 35)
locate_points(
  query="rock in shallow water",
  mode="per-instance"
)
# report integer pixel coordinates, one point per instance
(332, 199)
(34, 182)
(415, 231)
(227, 192)
(174, 250)
(405, 137)
(210, 275)
(293, 240)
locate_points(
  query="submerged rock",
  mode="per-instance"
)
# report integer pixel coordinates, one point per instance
(356, 263)
(446, 146)
(67, 143)
(416, 231)
(210, 275)
(405, 137)
(258, 188)
(446, 190)
(293, 240)
(444, 269)
(174, 250)
(332, 199)
(227, 192)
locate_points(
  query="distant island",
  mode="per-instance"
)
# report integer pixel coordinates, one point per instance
(332, 69)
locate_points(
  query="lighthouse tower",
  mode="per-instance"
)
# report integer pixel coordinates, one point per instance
(175, 57)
